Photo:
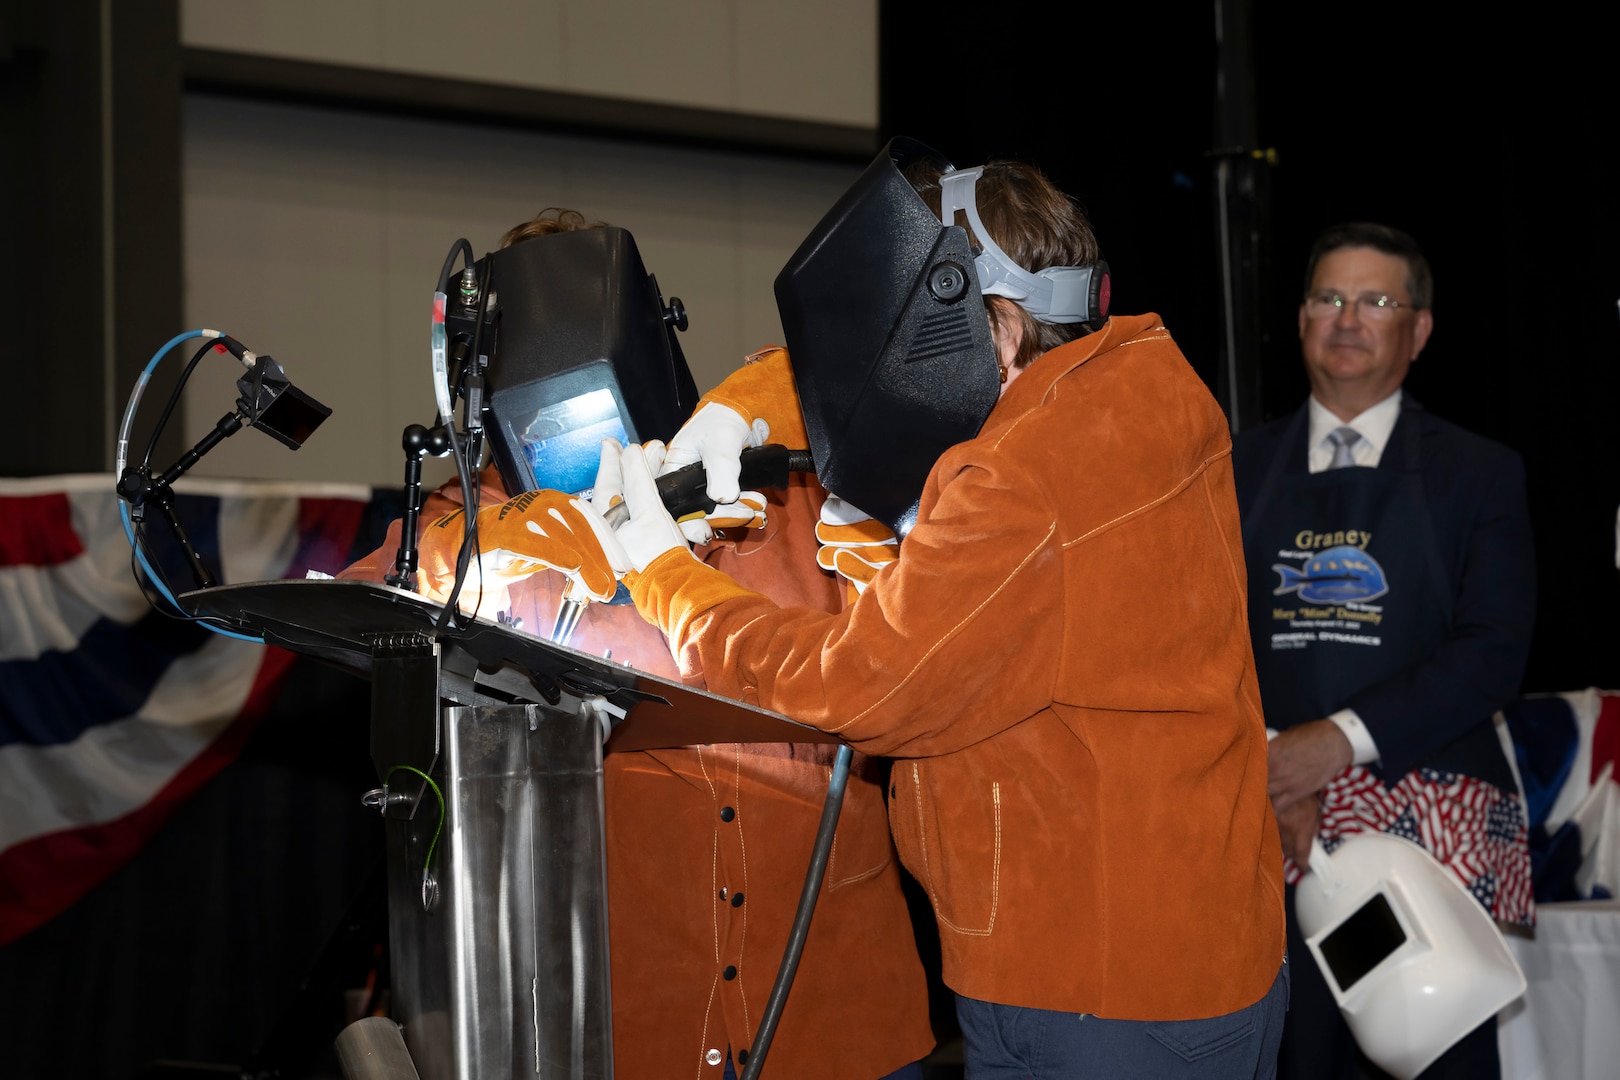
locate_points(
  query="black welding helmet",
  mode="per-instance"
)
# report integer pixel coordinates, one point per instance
(890, 342)
(883, 310)
(585, 349)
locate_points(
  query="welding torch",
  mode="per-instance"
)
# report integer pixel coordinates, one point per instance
(684, 493)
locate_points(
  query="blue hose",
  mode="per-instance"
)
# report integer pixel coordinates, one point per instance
(122, 460)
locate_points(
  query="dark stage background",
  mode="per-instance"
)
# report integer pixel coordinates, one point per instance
(1492, 141)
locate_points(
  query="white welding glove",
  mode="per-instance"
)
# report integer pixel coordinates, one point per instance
(853, 544)
(748, 512)
(626, 475)
(716, 435)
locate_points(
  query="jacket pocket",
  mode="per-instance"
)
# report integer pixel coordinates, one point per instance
(952, 846)
(861, 847)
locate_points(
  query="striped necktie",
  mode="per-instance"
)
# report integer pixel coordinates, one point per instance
(1343, 438)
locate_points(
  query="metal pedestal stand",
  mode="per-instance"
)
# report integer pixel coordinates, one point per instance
(498, 902)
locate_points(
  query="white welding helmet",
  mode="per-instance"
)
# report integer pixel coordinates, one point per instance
(1413, 960)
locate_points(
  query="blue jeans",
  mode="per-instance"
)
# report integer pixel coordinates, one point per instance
(1007, 1042)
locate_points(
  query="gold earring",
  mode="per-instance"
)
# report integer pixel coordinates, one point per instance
(1003, 369)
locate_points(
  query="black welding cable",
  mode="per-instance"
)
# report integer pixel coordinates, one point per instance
(813, 876)
(467, 472)
(462, 248)
(174, 397)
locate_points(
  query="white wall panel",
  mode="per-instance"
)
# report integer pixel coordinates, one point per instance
(683, 53)
(807, 61)
(791, 56)
(504, 41)
(316, 235)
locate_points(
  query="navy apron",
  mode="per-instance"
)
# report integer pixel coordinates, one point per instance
(1347, 587)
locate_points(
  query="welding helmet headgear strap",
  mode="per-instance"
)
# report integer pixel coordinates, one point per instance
(1056, 294)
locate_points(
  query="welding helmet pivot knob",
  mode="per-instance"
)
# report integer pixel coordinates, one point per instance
(675, 314)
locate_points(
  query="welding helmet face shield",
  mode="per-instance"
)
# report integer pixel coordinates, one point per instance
(891, 346)
(1412, 959)
(883, 308)
(584, 350)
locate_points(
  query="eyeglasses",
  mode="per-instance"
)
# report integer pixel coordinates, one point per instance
(1374, 306)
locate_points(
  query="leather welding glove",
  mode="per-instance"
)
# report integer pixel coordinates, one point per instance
(717, 435)
(755, 403)
(626, 475)
(533, 531)
(853, 545)
(748, 512)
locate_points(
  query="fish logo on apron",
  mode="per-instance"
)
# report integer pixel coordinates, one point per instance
(1338, 575)
(1333, 589)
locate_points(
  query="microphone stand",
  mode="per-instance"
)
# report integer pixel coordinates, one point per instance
(268, 401)
(138, 487)
(417, 442)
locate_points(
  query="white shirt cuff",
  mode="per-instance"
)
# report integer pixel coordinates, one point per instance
(1362, 748)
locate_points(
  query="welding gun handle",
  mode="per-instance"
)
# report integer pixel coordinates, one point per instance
(683, 491)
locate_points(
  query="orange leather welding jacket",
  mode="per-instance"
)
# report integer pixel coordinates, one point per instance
(1060, 659)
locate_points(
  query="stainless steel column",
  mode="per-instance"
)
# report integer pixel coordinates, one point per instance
(526, 893)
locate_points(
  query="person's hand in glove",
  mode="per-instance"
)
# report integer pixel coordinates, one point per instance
(756, 403)
(533, 531)
(748, 512)
(853, 545)
(626, 475)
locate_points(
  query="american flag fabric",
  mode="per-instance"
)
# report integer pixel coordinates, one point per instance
(1592, 745)
(1473, 829)
(1568, 748)
(111, 713)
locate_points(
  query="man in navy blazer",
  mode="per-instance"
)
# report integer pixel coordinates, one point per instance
(1391, 599)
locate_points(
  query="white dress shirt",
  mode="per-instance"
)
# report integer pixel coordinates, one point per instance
(1375, 427)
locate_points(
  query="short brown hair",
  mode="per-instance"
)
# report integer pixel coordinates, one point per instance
(548, 222)
(1390, 241)
(1032, 221)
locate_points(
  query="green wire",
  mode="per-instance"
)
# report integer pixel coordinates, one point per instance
(428, 862)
